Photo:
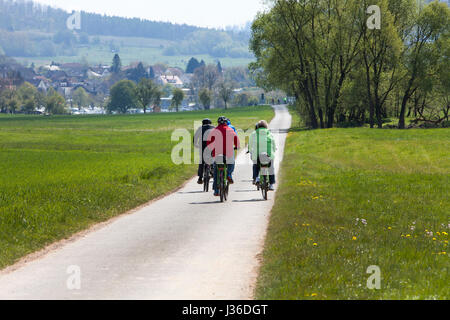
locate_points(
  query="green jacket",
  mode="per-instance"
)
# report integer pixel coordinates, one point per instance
(262, 140)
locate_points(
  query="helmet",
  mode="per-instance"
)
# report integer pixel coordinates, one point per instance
(222, 120)
(206, 122)
(263, 124)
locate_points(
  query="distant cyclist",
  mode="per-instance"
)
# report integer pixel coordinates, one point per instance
(262, 143)
(200, 142)
(222, 141)
(231, 126)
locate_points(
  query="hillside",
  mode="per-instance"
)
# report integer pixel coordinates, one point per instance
(35, 33)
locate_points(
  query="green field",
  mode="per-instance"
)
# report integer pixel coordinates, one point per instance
(63, 174)
(354, 198)
(147, 50)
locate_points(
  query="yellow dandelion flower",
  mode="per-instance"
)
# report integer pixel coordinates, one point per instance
(314, 295)
(389, 228)
(408, 236)
(354, 238)
(434, 239)
(445, 233)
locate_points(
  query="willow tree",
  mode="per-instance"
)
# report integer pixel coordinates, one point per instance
(307, 48)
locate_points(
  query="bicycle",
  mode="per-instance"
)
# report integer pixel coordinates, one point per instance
(264, 175)
(223, 184)
(206, 177)
(264, 181)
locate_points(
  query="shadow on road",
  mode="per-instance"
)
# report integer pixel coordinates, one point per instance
(191, 192)
(199, 203)
(243, 191)
(254, 200)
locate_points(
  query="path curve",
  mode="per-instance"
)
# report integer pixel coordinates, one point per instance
(184, 246)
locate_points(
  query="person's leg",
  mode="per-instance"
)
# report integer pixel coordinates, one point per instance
(215, 184)
(230, 170)
(255, 171)
(200, 172)
(272, 180)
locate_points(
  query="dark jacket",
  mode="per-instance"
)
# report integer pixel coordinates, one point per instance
(201, 136)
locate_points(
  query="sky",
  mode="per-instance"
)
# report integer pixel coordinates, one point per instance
(203, 13)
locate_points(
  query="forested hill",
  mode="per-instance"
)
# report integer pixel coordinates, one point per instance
(19, 18)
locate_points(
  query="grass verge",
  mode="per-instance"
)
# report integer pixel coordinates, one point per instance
(354, 198)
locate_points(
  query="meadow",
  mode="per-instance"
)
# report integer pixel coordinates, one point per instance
(63, 174)
(354, 198)
(131, 49)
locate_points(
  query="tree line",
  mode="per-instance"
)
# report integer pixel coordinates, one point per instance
(27, 99)
(342, 71)
(19, 22)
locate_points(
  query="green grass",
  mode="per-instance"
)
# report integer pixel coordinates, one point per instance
(398, 181)
(132, 49)
(63, 174)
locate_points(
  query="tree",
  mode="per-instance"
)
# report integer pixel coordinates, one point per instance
(145, 93)
(28, 95)
(80, 98)
(225, 92)
(192, 65)
(177, 99)
(138, 73)
(423, 52)
(307, 49)
(122, 96)
(116, 65)
(206, 76)
(9, 100)
(55, 103)
(241, 99)
(381, 53)
(205, 98)
(219, 67)
(157, 99)
(152, 73)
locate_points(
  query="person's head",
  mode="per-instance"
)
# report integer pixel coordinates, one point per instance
(229, 121)
(206, 122)
(222, 121)
(263, 124)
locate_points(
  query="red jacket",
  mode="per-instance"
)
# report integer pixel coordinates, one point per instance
(222, 141)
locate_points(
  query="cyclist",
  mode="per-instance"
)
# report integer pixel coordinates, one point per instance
(231, 126)
(222, 141)
(200, 142)
(262, 142)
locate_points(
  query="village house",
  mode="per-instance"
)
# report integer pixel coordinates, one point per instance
(170, 79)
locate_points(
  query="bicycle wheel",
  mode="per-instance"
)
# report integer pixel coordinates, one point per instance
(264, 187)
(221, 186)
(206, 178)
(226, 188)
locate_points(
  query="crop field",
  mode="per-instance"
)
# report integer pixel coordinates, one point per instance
(350, 199)
(62, 174)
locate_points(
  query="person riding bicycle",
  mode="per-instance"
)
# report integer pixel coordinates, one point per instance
(200, 142)
(262, 148)
(231, 126)
(223, 141)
